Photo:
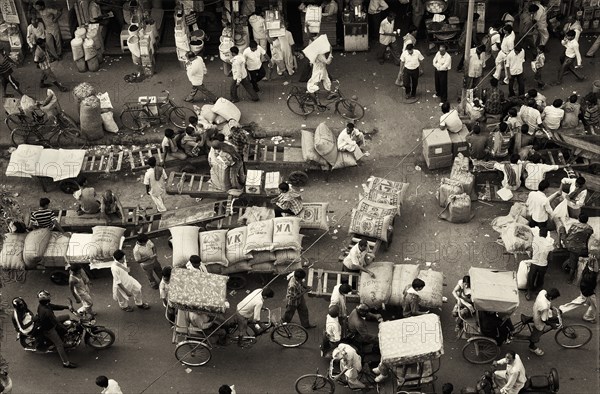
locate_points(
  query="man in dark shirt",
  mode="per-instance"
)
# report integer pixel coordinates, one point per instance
(239, 138)
(51, 326)
(576, 242)
(587, 286)
(493, 98)
(357, 325)
(477, 143)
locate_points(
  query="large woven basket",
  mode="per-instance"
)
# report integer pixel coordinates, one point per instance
(436, 6)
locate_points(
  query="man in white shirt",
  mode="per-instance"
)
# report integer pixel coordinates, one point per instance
(196, 70)
(542, 245)
(350, 364)
(541, 314)
(513, 379)
(512, 172)
(529, 115)
(387, 36)
(253, 56)
(571, 59)
(259, 28)
(536, 171)
(442, 62)
(538, 206)
(195, 263)
(338, 297)
(539, 17)
(248, 310)
(476, 63)
(410, 61)
(124, 285)
(357, 258)
(155, 181)
(552, 115)
(333, 330)
(109, 386)
(573, 201)
(450, 119)
(374, 11)
(351, 140)
(507, 45)
(514, 70)
(240, 76)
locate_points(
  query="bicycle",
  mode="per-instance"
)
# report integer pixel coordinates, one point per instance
(37, 130)
(137, 116)
(483, 350)
(317, 383)
(195, 350)
(303, 103)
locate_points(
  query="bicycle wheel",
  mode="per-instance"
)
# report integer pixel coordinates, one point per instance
(130, 118)
(179, 116)
(70, 138)
(13, 121)
(300, 104)
(350, 109)
(193, 353)
(289, 335)
(307, 384)
(23, 135)
(480, 350)
(573, 336)
(66, 122)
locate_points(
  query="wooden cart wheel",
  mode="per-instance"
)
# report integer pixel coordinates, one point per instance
(69, 186)
(236, 282)
(298, 178)
(60, 278)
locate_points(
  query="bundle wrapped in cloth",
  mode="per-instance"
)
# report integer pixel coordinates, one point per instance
(411, 340)
(197, 291)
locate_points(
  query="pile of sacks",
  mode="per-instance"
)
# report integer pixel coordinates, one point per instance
(379, 203)
(320, 148)
(313, 215)
(95, 112)
(43, 248)
(391, 281)
(222, 113)
(264, 246)
(456, 193)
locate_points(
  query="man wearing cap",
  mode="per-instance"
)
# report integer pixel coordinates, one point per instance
(51, 326)
(357, 325)
(196, 70)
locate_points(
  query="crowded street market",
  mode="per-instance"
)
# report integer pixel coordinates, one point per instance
(418, 179)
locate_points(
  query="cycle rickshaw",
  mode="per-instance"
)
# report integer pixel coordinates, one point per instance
(197, 306)
(410, 350)
(495, 297)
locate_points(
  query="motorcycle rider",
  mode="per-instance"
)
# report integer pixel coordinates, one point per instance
(51, 326)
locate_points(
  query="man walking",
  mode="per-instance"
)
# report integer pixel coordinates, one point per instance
(571, 58)
(40, 57)
(542, 245)
(386, 35)
(50, 16)
(240, 76)
(80, 288)
(587, 286)
(506, 46)
(576, 242)
(442, 62)
(538, 206)
(539, 18)
(253, 56)
(155, 180)
(476, 62)
(514, 70)
(295, 299)
(376, 7)
(109, 386)
(410, 61)
(196, 70)
(124, 285)
(144, 253)
(6, 70)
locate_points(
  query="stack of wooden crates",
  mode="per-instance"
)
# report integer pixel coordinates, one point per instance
(440, 147)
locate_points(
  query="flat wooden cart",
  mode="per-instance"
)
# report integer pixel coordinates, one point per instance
(199, 186)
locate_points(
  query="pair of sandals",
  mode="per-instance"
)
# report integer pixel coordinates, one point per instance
(130, 309)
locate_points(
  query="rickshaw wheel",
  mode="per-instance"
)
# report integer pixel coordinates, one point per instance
(298, 178)
(69, 186)
(236, 282)
(308, 384)
(480, 350)
(193, 353)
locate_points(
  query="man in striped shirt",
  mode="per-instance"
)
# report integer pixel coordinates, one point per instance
(44, 217)
(40, 57)
(6, 70)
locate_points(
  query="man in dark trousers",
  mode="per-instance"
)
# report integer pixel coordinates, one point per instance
(576, 242)
(51, 327)
(6, 70)
(295, 299)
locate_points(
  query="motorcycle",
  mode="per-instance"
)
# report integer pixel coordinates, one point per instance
(537, 384)
(83, 326)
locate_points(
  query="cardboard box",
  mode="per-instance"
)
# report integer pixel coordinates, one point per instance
(435, 162)
(459, 142)
(254, 181)
(436, 142)
(272, 181)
